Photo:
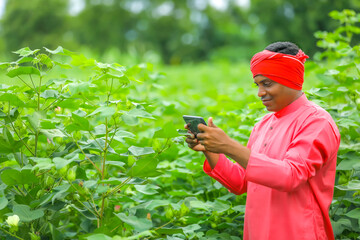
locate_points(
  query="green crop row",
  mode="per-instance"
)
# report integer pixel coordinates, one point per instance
(91, 150)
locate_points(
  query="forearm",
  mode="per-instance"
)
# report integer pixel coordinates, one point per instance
(237, 152)
(230, 175)
(212, 158)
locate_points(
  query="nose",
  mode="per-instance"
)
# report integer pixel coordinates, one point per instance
(261, 91)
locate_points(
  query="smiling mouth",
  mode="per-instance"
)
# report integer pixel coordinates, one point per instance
(266, 102)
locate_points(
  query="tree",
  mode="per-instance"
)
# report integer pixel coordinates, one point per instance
(34, 23)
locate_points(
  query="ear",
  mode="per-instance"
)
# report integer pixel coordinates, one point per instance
(211, 123)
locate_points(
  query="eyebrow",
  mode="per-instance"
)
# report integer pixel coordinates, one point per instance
(263, 81)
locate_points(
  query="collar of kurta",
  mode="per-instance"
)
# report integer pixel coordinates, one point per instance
(292, 107)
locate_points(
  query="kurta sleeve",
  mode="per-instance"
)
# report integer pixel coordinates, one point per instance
(230, 175)
(313, 144)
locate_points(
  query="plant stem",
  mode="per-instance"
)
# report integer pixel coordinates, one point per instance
(28, 148)
(24, 82)
(95, 214)
(87, 157)
(102, 209)
(92, 135)
(13, 235)
(52, 103)
(118, 187)
(105, 149)
(39, 92)
(32, 81)
(172, 220)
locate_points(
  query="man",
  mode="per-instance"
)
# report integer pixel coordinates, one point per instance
(288, 165)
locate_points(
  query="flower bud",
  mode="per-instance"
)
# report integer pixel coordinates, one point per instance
(13, 221)
(71, 175)
(117, 208)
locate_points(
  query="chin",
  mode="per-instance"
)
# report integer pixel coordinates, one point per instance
(270, 109)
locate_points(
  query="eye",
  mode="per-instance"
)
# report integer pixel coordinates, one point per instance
(266, 84)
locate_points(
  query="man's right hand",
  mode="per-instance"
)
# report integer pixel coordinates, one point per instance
(193, 142)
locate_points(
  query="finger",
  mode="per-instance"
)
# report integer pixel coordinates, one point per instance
(200, 136)
(211, 123)
(202, 127)
(192, 140)
(191, 134)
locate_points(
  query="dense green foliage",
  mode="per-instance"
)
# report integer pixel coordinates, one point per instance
(172, 31)
(89, 150)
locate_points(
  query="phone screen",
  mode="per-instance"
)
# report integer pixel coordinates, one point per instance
(193, 122)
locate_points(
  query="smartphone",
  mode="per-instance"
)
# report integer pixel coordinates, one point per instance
(193, 122)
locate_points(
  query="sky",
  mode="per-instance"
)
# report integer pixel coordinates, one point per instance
(2, 7)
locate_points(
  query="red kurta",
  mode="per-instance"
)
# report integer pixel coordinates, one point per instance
(290, 175)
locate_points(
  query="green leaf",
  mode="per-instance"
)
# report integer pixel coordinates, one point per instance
(26, 214)
(153, 204)
(115, 163)
(239, 208)
(140, 151)
(52, 133)
(147, 189)
(340, 225)
(81, 122)
(60, 192)
(219, 206)
(4, 65)
(26, 51)
(170, 231)
(8, 137)
(139, 224)
(121, 134)
(145, 167)
(12, 98)
(104, 111)
(201, 205)
(3, 202)
(320, 92)
(136, 112)
(81, 61)
(81, 87)
(353, 185)
(24, 60)
(355, 213)
(131, 117)
(191, 228)
(167, 131)
(113, 181)
(34, 120)
(6, 147)
(23, 71)
(14, 177)
(61, 162)
(349, 164)
(60, 50)
(55, 233)
(106, 76)
(99, 236)
(49, 94)
(42, 163)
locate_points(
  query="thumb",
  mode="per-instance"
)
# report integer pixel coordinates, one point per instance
(211, 123)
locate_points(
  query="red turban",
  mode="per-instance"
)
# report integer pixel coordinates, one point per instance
(285, 69)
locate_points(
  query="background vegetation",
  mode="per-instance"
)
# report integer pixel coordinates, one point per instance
(168, 31)
(89, 147)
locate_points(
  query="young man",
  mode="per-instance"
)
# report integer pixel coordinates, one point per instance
(288, 165)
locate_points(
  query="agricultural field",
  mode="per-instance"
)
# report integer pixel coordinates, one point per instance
(93, 150)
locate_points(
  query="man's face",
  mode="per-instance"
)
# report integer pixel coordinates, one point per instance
(275, 96)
